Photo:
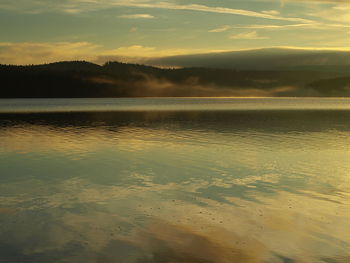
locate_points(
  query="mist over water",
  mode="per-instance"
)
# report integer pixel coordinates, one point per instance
(175, 180)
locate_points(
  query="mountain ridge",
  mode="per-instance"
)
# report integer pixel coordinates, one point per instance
(259, 59)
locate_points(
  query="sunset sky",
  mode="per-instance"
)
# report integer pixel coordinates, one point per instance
(37, 31)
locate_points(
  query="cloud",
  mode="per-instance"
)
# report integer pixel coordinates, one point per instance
(271, 12)
(263, 26)
(34, 53)
(133, 29)
(144, 51)
(208, 9)
(315, 25)
(283, 2)
(72, 10)
(137, 16)
(74, 6)
(294, 26)
(247, 36)
(38, 53)
(132, 51)
(339, 13)
(220, 29)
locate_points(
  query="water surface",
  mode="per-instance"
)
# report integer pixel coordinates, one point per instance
(175, 180)
(170, 104)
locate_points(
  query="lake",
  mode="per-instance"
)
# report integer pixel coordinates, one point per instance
(170, 180)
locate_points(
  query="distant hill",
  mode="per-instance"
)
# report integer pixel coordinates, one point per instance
(263, 59)
(113, 79)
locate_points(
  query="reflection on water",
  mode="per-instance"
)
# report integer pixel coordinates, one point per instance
(170, 104)
(189, 186)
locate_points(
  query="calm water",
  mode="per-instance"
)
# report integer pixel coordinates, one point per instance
(175, 180)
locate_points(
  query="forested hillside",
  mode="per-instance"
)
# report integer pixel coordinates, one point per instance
(114, 79)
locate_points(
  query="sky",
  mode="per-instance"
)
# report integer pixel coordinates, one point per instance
(42, 31)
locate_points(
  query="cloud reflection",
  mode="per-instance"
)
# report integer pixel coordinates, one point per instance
(255, 196)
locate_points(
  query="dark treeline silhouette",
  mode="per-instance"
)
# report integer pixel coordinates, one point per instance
(113, 79)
